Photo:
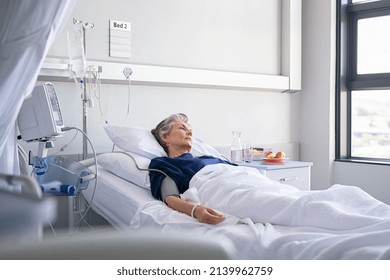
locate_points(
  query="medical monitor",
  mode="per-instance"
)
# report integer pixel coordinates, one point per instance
(40, 117)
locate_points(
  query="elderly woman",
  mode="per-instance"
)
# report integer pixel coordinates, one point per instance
(175, 135)
(246, 193)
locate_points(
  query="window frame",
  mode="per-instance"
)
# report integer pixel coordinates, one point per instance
(347, 78)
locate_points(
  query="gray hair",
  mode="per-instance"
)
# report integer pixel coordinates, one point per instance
(165, 127)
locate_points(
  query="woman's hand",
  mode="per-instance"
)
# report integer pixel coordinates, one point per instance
(207, 215)
(202, 213)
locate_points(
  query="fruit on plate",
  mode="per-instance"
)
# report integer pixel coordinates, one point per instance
(266, 153)
(274, 158)
(270, 156)
(280, 154)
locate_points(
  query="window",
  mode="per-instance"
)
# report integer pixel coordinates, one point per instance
(373, 43)
(363, 94)
(370, 124)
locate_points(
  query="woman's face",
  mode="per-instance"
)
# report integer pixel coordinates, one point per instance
(180, 136)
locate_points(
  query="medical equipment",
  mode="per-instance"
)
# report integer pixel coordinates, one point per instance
(40, 120)
(77, 67)
(58, 175)
(40, 117)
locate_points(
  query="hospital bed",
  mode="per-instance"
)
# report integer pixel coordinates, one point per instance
(24, 216)
(122, 196)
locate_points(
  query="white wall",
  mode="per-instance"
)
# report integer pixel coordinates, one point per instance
(223, 35)
(317, 100)
(373, 178)
(317, 96)
(220, 34)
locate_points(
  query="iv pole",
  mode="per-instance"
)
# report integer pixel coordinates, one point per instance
(85, 97)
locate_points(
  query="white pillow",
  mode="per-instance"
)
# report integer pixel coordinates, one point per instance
(124, 167)
(136, 140)
(142, 142)
(199, 148)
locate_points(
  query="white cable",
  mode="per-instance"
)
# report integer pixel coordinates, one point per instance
(140, 168)
(127, 72)
(128, 100)
(64, 147)
(52, 229)
(96, 173)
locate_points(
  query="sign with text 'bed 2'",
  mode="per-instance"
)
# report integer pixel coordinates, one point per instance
(120, 39)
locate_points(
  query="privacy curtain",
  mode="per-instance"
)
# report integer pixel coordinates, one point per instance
(27, 30)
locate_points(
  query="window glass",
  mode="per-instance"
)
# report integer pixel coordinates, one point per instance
(370, 124)
(373, 55)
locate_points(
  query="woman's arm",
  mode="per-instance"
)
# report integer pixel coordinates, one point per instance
(202, 213)
(170, 195)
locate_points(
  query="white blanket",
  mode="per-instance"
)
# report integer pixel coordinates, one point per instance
(245, 193)
(276, 221)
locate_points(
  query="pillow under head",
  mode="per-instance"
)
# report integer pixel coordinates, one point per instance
(142, 142)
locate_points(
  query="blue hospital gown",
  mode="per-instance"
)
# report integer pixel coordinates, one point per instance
(181, 169)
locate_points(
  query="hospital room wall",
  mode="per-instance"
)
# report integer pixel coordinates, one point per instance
(190, 36)
(317, 120)
(213, 114)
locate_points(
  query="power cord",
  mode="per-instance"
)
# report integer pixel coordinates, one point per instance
(78, 224)
(140, 168)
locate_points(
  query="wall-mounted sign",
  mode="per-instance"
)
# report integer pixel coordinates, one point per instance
(120, 39)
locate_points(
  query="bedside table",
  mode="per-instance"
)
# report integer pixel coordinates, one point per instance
(294, 173)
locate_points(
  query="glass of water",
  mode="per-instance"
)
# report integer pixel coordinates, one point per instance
(247, 151)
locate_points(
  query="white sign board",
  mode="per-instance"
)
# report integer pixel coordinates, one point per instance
(120, 39)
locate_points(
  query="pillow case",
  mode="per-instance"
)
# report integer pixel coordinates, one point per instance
(136, 140)
(140, 141)
(199, 148)
(124, 167)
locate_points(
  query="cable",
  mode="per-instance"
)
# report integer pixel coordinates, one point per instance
(52, 229)
(127, 72)
(78, 224)
(64, 147)
(139, 168)
(128, 100)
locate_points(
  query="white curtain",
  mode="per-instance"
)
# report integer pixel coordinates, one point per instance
(27, 30)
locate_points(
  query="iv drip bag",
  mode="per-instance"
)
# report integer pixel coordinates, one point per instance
(77, 59)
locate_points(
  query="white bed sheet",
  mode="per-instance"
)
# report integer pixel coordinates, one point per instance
(129, 207)
(115, 199)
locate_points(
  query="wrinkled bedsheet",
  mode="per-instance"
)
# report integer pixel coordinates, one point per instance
(269, 220)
